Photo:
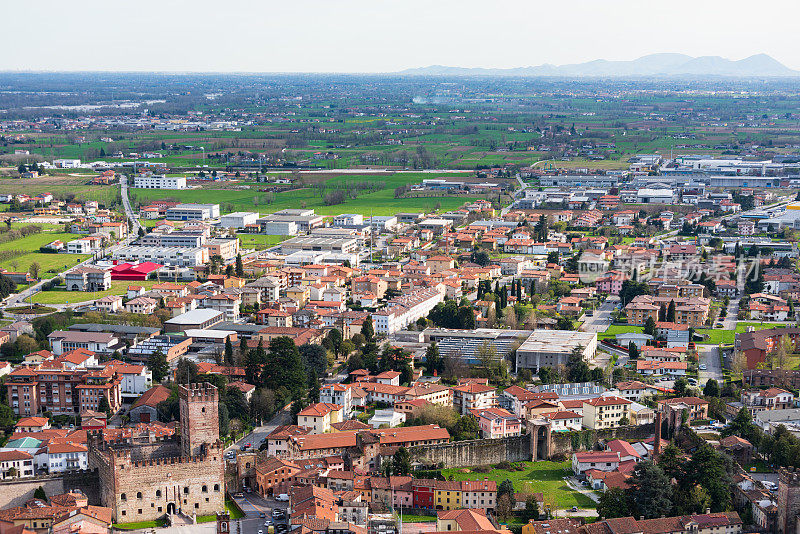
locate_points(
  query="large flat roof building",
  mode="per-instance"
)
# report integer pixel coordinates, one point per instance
(193, 212)
(551, 348)
(195, 319)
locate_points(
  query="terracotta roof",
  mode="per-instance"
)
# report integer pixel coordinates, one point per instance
(153, 396)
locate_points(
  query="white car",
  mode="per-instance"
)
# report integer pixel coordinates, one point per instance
(703, 367)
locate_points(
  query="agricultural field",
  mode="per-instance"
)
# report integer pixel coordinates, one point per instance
(544, 477)
(62, 186)
(20, 254)
(381, 202)
(118, 287)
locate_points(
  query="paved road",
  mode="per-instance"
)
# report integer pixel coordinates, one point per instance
(253, 506)
(126, 203)
(710, 356)
(601, 319)
(19, 298)
(283, 417)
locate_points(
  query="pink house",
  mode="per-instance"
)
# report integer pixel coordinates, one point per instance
(498, 423)
(611, 283)
(403, 492)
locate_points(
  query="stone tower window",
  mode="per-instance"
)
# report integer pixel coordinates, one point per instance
(123, 497)
(138, 494)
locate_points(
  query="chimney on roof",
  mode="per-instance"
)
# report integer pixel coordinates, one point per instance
(708, 510)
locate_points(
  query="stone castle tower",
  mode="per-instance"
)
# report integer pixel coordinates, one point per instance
(199, 405)
(788, 500)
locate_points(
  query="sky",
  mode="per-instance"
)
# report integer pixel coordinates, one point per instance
(381, 35)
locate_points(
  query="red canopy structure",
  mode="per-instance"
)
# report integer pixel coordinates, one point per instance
(128, 271)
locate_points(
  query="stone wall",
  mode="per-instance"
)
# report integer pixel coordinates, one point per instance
(518, 448)
(564, 442)
(16, 492)
(474, 452)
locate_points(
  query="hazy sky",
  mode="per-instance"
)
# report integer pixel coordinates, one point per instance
(382, 35)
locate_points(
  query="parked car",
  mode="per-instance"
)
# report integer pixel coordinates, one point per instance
(283, 497)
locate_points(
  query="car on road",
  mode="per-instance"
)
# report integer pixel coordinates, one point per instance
(239, 495)
(574, 509)
(703, 367)
(283, 497)
(262, 515)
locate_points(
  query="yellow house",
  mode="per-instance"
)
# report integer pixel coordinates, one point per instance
(299, 294)
(606, 412)
(319, 417)
(447, 495)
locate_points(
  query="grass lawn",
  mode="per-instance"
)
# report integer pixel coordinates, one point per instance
(141, 524)
(544, 477)
(118, 287)
(613, 330)
(233, 509)
(49, 264)
(409, 518)
(727, 337)
(258, 241)
(32, 243)
(717, 336)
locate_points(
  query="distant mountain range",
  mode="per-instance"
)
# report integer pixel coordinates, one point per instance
(667, 65)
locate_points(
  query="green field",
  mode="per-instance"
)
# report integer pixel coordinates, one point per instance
(259, 241)
(28, 248)
(380, 202)
(615, 329)
(106, 195)
(410, 518)
(118, 287)
(49, 264)
(727, 337)
(32, 243)
(544, 477)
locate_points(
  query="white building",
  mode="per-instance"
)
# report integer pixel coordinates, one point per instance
(66, 457)
(80, 246)
(159, 181)
(136, 379)
(21, 462)
(193, 212)
(405, 309)
(338, 394)
(67, 163)
(66, 341)
(348, 219)
(180, 256)
(600, 460)
(238, 219)
(279, 227)
(386, 418)
(383, 223)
